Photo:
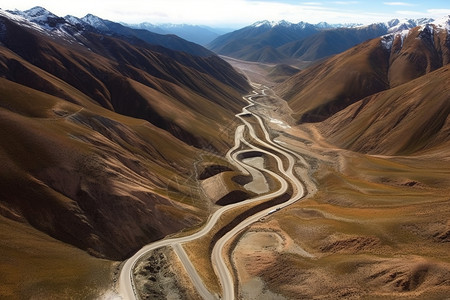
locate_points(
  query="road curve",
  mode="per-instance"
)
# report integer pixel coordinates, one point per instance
(287, 178)
(225, 277)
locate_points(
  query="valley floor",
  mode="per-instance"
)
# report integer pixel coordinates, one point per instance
(369, 226)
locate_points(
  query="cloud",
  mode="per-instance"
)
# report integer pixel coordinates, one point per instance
(410, 13)
(439, 11)
(345, 2)
(399, 4)
(312, 3)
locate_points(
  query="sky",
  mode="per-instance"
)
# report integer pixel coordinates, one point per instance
(239, 13)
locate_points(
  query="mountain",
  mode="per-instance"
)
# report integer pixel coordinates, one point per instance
(330, 42)
(42, 17)
(258, 42)
(168, 41)
(99, 127)
(404, 120)
(283, 41)
(201, 35)
(371, 67)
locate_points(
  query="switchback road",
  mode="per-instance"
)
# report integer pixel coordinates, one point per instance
(283, 174)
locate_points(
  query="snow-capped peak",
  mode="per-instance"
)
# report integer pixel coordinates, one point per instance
(272, 24)
(41, 16)
(443, 23)
(402, 28)
(95, 22)
(283, 23)
(260, 24)
(397, 25)
(43, 21)
(38, 13)
(324, 25)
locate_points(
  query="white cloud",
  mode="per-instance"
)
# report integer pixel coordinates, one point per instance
(411, 13)
(344, 2)
(439, 11)
(312, 3)
(399, 4)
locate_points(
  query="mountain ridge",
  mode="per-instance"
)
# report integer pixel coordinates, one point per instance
(302, 41)
(40, 16)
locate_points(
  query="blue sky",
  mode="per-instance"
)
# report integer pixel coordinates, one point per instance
(239, 13)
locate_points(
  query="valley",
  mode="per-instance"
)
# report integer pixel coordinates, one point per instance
(288, 184)
(280, 161)
(346, 225)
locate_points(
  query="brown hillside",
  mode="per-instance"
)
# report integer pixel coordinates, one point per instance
(324, 89)
(403, 120)
(107, 68)
(74, 173)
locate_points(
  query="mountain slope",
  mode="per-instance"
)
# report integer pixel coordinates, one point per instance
(400, 121)
(98, 133)
(320, 91)
(72, 172)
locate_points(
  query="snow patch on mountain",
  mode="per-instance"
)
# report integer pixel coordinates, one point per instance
(387, 41)
(443, 23)
(427, 28)
(18, 18)
(43, 21)
(73, 20)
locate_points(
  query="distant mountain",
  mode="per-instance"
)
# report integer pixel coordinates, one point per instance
(330, 42)
(43, 17)
(258, 42)
(281, 72)
(325, 25)
(201, 35)
(369, 68)
(283, 41)
(98, 126)
(169, 41)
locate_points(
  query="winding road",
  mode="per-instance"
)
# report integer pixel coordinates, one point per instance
(287, 182)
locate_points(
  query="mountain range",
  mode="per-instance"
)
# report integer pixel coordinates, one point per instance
(201, 35)
(41, 17)
(285, 42)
